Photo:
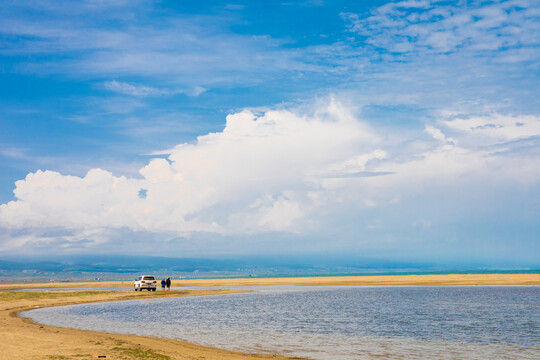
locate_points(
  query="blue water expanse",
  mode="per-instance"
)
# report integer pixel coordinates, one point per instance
(471, 322)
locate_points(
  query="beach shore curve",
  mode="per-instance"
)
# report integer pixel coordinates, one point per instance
(24, 339)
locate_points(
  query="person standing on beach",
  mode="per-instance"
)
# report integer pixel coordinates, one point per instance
(163, 284)
(169, 284)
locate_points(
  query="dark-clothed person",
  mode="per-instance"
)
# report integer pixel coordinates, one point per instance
(169, 284)
(163, 284)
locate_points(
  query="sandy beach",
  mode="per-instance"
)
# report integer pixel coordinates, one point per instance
(388, 280)
(24, 339)
(404, 280)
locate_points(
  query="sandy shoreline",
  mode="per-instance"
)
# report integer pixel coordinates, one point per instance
(24, 339)
(406, 280)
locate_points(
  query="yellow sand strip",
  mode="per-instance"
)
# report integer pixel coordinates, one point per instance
(418, 280)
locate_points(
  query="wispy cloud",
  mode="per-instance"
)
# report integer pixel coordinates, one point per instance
(449, 47)
(476, 57)
(444, 27)
(148, 91)
(438, 135)
(497, 127)
(202, 52)
(135, 90)
(14, 152)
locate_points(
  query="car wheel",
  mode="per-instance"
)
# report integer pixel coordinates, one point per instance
(134, 288)
(153, 289)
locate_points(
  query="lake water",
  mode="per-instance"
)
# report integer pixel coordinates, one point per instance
(465, 322)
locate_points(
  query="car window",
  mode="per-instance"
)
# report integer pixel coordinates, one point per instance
(148, 278)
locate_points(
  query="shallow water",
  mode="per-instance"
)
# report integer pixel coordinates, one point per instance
(469, 322)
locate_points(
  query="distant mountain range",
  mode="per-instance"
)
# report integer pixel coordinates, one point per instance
(125, 267)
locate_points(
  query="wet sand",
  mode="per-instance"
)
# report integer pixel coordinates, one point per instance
(24, 339)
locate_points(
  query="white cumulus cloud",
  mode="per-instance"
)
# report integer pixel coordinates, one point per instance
(258, 170)
(275, 171)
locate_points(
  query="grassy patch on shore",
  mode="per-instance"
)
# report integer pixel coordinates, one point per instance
(140, 354)
(42, 295)
(39, 295)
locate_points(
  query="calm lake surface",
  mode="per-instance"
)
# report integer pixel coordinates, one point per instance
(468, 322)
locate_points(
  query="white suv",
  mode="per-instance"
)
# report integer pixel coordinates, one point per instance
(145, 282)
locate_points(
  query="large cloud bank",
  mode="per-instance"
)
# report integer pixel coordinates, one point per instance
(275, 171)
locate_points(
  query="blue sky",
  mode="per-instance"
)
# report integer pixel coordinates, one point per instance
(405, 129)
